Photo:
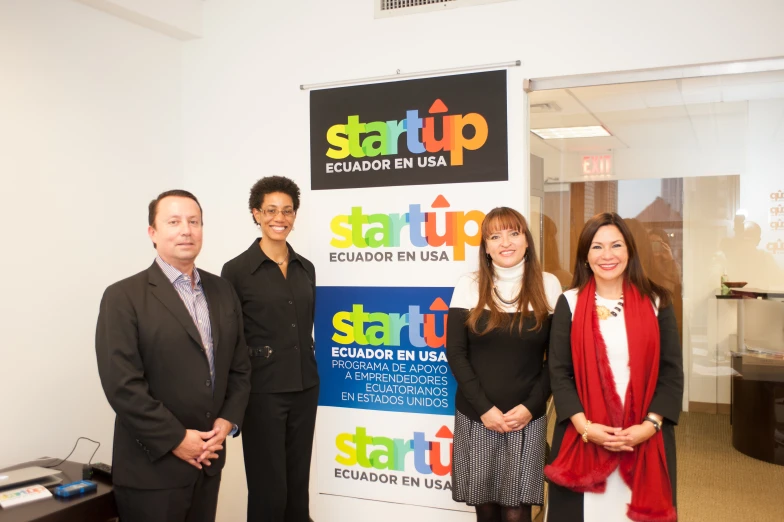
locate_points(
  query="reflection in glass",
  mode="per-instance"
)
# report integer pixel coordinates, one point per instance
(552, 257)
(695, 165)
(655, 218)
(744, 259)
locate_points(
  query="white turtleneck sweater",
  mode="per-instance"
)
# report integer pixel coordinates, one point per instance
(508, 281)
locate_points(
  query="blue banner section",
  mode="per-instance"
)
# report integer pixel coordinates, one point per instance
(382, 348)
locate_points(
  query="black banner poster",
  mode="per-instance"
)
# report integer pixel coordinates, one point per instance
(450, 129)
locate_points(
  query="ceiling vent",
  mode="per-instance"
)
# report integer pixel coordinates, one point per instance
(538, 108)
(387, 5)
(384, 8)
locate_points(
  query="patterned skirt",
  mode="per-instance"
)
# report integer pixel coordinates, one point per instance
(502, 468)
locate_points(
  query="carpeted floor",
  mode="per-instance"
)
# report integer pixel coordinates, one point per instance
(717, 483)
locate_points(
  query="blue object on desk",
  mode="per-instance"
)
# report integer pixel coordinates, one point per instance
(75, 488)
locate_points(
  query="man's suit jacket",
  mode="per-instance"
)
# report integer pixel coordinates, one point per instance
(156, 375)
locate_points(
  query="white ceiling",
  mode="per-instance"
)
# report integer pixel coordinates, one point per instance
(671, 114)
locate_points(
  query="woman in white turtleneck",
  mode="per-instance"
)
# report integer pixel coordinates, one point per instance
(497, 337)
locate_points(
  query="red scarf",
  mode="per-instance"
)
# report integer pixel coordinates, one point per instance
(585, 467)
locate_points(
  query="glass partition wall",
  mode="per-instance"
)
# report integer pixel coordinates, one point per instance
(695, 166)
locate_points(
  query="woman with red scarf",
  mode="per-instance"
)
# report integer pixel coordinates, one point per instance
(616, 373)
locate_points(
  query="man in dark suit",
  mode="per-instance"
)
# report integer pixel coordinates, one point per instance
(175, 368)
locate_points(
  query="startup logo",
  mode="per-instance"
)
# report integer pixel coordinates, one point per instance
(416, 132)
(386, 349)
(380, 138)
(386, 453)
(360, 230)
(385, 329)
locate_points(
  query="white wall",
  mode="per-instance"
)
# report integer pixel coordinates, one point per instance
(99, 115)
(90, 131)
(180, 19)
(245, 117)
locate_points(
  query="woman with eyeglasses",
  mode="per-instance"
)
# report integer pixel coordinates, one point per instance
(276, 287)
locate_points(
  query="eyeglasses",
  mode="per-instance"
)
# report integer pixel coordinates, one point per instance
(272, 212)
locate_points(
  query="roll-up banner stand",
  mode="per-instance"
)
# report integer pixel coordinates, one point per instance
(402, 174)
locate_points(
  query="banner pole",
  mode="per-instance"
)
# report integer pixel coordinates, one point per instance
(398, 75)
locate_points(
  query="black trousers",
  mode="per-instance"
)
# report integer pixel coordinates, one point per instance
(195, 503)
(277, 443)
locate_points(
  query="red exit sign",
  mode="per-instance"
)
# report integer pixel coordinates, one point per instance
(600, 164)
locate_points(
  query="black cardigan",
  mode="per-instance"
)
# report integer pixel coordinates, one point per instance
(566, 505)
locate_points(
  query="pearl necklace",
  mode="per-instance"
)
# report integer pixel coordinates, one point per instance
(604, 313)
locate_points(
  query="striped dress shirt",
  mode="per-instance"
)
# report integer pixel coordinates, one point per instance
(196, 303)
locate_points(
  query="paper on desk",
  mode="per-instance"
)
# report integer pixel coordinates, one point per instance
(23, 495)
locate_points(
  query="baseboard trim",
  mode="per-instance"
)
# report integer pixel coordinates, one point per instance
(709, 407)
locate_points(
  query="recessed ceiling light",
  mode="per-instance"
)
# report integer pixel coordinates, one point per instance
(560, 133)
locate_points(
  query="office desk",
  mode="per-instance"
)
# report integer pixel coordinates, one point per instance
(92, 507)
(758, 406)
(757, 384)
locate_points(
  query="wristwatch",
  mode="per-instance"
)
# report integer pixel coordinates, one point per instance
(656, 424)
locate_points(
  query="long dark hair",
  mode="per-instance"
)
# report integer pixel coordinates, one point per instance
(634, 273)
(532, 291)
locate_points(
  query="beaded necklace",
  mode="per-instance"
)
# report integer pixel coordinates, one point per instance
(604, 313)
